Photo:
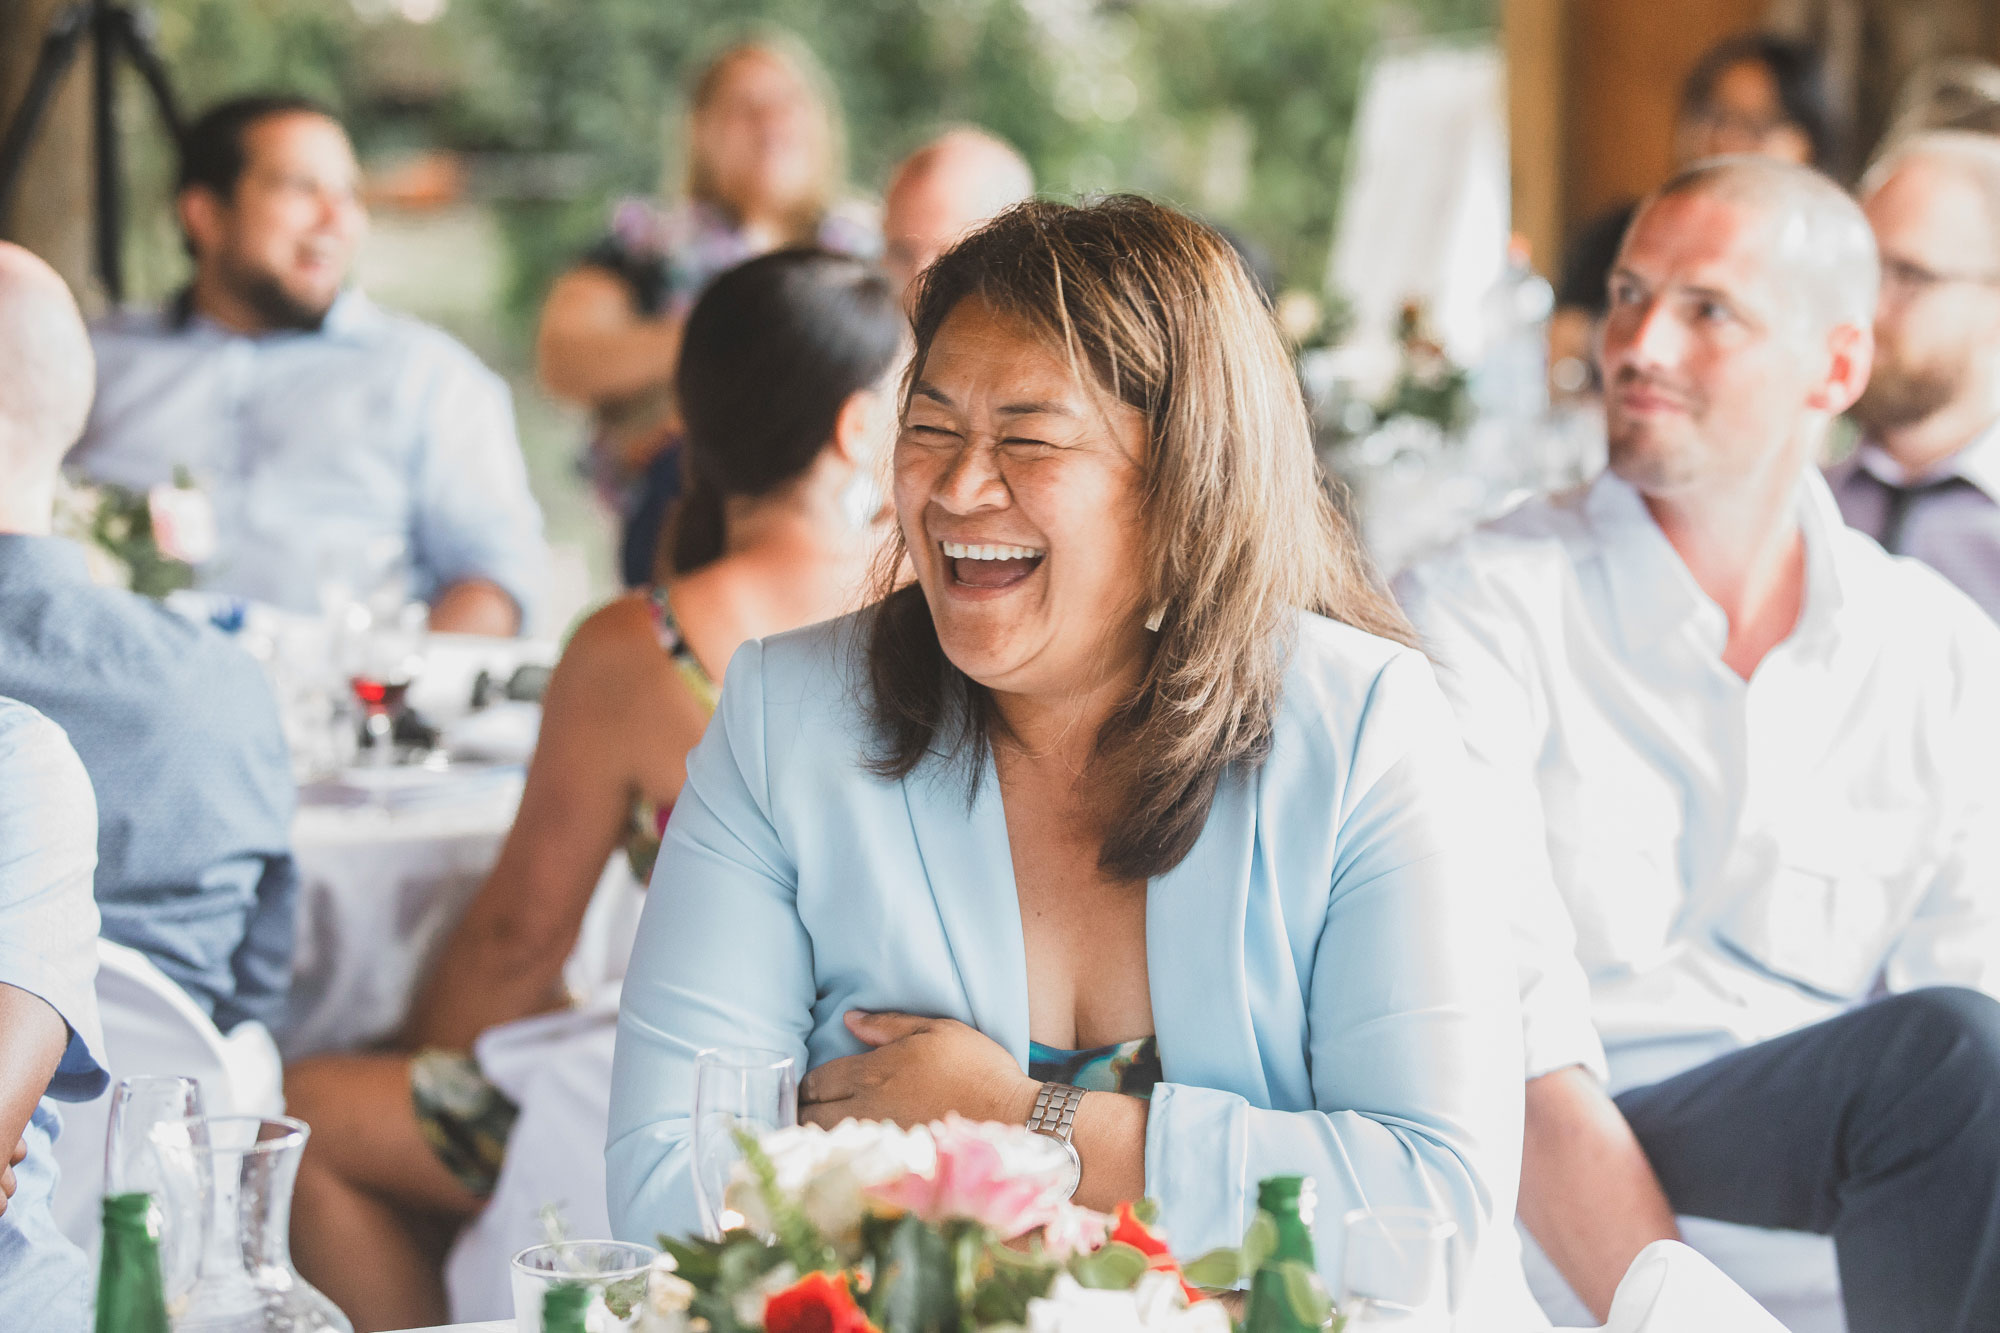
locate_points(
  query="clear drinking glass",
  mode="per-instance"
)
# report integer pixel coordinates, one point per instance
(1395, 1272)
(132, 1164)
(138, 1104)
(614, 1270)
(735, 1087)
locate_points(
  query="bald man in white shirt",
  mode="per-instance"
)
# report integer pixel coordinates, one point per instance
(1765, 760)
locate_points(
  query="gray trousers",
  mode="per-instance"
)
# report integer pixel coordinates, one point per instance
(1880, 1128)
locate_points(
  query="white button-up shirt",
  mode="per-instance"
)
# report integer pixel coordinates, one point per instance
(374, 447)
(1730, 860)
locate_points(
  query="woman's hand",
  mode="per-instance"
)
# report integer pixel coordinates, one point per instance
(7, 1181)
(919, 1069)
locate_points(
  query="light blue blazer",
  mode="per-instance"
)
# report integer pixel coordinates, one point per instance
(1332, 982)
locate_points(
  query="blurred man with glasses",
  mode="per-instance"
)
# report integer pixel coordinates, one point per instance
(1925, 480)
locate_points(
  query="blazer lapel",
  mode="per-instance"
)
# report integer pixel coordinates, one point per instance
(1196, 962)
(971, 872)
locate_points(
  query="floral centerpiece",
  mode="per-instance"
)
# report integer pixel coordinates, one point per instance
(949, 1228)
(148, 541)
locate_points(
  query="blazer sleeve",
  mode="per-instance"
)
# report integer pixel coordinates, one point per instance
(720, 959)
(1413, 1015)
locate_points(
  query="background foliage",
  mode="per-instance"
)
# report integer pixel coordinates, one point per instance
(1238, 109)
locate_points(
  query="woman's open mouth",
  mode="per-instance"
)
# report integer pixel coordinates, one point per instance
(989, 566)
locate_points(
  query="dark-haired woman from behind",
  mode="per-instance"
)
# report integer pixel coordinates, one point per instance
(785, 383)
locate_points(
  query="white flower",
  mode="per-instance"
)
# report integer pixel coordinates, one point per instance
(828, 1172)
(183, 523)
(667, 1292)
(1156, 1305)
(668, 1296)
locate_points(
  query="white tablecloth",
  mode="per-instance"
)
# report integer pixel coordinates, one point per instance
(379, 889)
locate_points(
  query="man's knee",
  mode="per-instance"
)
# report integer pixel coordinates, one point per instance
(1948, 1021)
(1946, 1040)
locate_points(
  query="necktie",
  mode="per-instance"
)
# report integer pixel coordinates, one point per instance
(1896, 517)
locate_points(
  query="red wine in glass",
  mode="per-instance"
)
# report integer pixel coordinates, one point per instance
(379, 696)
(382, 700)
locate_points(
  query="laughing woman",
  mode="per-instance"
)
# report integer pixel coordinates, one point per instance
(1136, 788)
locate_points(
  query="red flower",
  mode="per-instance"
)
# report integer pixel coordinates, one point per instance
(816, 1303)
(1131, 1231)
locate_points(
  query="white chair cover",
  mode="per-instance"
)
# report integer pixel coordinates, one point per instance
(557, 1069)
(151, 1026)
(1672, 1289)
(1790, 1274)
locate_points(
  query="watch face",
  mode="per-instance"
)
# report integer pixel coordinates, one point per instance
(1073, 1174)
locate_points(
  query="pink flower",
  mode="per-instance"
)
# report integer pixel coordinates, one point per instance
(1071, 1231)
(971, 1181)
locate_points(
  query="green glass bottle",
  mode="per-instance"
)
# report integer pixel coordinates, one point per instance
(563, 1306)
(131, 1298)
(1286, 1294)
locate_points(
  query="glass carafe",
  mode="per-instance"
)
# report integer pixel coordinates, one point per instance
(229, 1201)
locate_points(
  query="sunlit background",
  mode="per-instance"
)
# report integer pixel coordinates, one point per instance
(497, 133)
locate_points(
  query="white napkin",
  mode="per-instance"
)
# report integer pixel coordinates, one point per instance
(1671, 1289)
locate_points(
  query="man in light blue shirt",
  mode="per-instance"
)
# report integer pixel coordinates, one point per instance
(50, 1044)
(175, 724)
(340, 444)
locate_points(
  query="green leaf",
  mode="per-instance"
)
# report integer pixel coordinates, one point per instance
(1116, 1267)
(919, 1296)
(1259, 1241)
(1147, 1211)
(1014, 1278)
(622, 1296)
(697, 1261)
(1306, 1293)
(1216, 1270)
(968, 1252)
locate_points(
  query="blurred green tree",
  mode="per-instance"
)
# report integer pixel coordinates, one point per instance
(1236, 109)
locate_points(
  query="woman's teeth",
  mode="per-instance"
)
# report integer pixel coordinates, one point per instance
(960, 551)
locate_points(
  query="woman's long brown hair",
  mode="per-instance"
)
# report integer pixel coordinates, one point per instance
(1155, 310)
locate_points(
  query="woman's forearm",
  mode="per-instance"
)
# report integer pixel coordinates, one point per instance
(1110, 1138)
(593, 349)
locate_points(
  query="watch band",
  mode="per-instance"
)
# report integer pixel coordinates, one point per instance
(1055, 1116)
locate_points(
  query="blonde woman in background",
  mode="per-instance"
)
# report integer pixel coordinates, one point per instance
(765, 154)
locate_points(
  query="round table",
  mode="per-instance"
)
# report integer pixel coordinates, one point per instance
(380, 885)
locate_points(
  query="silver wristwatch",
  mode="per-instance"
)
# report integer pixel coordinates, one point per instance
(1055, 1115)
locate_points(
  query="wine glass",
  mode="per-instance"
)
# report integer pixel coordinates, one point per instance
(735, 1088)
(1395, 1271)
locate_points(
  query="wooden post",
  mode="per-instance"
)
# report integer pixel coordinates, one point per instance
(51, 212)
(1535, 39)
(1627, 61)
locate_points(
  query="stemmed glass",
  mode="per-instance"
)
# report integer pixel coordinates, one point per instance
(735, 1088)
(1395, 1272)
